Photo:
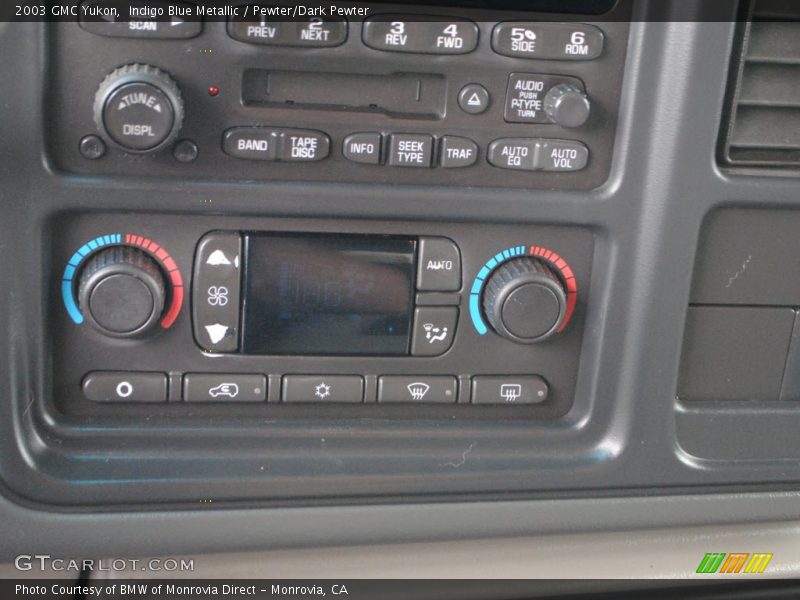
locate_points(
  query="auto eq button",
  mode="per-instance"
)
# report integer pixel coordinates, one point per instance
(417, 388)
(514, 153)
(323, 388)
(216, 290)
(224, 387)
(434, 330)
(125, 386)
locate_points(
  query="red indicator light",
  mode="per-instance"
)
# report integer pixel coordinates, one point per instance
(213, 90)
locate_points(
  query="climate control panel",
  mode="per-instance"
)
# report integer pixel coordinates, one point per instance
(295, 315)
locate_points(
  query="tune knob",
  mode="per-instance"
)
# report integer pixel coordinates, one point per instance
(567, 105)
(139, 107)
(524, 300)
(122, 291)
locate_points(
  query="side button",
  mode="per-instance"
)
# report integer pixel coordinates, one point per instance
(510, 389)
(420, 388)
(215, 306)
(222, 387)
(125, 386)
(434, 330)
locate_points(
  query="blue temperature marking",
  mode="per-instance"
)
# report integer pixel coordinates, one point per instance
(480, 278)
(67, 293)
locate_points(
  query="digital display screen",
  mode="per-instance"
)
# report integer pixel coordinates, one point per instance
(328, 294)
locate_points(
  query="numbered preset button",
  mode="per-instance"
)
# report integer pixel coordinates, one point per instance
(423, 35)
(548, 41)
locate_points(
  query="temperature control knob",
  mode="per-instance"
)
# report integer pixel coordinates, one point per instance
(567, 105)
(122, 291)
(524, 300)
(139, 107)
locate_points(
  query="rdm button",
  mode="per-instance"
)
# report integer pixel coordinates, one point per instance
(439, 266)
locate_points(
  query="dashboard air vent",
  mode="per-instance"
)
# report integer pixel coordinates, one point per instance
(764, 110)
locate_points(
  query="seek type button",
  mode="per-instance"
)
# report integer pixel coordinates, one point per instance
(304, 145)
(439, 267)
(434, 330)
(410, 150)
